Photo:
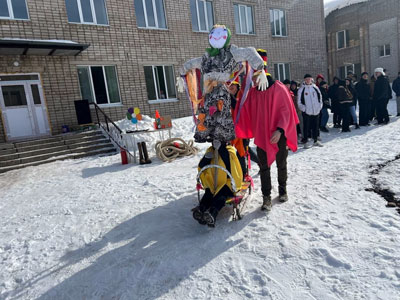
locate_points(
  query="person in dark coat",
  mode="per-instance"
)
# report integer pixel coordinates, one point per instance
(353, 105)
(396, 89)
(324, 117)
(364, 99)
(294, 88)
(335, 107)
(345, 100)
(381, 96)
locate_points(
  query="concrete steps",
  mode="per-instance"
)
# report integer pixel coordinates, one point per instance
(32, 153)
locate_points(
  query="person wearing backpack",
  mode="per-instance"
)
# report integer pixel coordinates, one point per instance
(309, 101)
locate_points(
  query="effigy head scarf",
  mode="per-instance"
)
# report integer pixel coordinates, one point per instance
(219, 37)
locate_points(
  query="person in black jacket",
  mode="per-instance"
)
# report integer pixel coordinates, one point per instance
(350, 87)
(324, 117)
(332, 93)
(382, 94)
(396, 89)
(345, 100)
(364, 99)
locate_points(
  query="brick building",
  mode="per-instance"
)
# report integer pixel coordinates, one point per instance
(127, 53)
(364, 36)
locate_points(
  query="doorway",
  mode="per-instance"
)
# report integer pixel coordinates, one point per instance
(23, 108)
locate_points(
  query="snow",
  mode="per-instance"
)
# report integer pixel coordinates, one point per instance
(338, 4)
(95, 229)
(43, 41)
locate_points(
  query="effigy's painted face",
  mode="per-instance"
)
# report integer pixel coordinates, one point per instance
(218, 37)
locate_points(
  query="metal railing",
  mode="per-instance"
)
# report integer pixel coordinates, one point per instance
(111, 129)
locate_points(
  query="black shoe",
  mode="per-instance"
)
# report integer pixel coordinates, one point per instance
(324, 129)
(283, 197)
(198, 214)
(357, 126)
(303, 141)
(267, 203)
(210, 216)
(346, 130)
(398, 115)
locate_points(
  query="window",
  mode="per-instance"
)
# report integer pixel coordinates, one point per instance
(244, 19)
(150, 13)
(282, 71)
(202, 15)
(87, 11)
(13, 9)
(384, 50)
(342, 39)
(344, 70)
(160, 82)
(278, 22)
(99, 84)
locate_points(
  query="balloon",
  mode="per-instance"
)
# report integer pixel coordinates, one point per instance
(134, 116)
(137, 110)
(134, 121)
(139, 117)
(130, 110)
(128, 116)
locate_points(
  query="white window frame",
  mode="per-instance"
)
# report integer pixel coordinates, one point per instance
(284, 71)
(11, 12)
(106, 85)
(276, 10)
(384, 50)
(155, 15)
(167, 99)
(78, 2)
(205, 15)
(344, 41)
(247, 21)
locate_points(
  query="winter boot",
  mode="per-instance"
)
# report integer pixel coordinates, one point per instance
(141, 156)
(267, 203)
(146, 155)
(283, 197)
(198, 214)
(210, 216)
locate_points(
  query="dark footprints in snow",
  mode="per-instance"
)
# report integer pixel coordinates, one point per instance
(377, 188)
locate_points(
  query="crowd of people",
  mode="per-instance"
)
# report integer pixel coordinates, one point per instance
(314, 99)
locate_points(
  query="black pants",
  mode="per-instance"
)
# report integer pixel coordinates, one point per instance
(372, 112)
(364, 111)
(217, 201)
(382, 113)
(311, 124)
(265, 170)
(253, 155)
(337, 118)
(345, 114)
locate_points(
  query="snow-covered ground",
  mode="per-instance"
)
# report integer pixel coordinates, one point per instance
(95, 229)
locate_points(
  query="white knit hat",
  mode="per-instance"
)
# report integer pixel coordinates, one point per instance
(379, 70)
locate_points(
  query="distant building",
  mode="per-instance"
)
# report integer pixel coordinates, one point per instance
(123, 54)
(364, 36)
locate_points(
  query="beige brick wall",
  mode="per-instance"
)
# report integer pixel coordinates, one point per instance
(128, 47)
(362, 16)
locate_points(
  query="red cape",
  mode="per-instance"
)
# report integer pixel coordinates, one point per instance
(265, 111)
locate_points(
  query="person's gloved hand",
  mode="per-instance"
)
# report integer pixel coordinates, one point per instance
(180, 84)
(262, 81)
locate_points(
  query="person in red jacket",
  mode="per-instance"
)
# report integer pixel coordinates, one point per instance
(270, 117)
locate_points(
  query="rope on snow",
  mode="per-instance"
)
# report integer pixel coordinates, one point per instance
(170, 149)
